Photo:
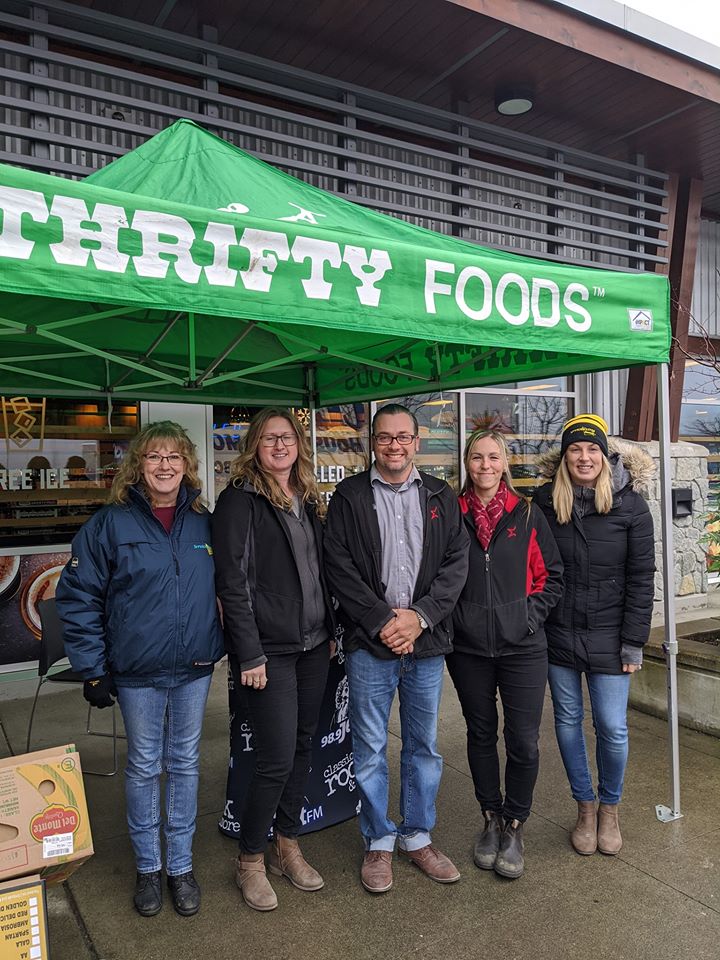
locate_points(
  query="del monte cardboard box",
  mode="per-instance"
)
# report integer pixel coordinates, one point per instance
(44, 823)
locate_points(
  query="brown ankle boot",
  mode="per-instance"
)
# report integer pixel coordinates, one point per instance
(286, 860)
(253, 883)
(609, 840)
(584, 835)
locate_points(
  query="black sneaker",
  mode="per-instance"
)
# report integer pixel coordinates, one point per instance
(185, 893)
(148, 893)
(510, 862)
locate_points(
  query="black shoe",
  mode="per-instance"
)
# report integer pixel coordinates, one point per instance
(488, 842)
(509, 862)
(148, 893)
(185, 893)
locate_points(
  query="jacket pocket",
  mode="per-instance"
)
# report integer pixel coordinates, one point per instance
(470, 625)
(607, 603)
(278, 618)
(511, 623)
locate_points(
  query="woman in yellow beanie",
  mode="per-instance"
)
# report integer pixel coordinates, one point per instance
(604, 531)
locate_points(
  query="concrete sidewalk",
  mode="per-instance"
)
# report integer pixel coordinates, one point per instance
(658, 900)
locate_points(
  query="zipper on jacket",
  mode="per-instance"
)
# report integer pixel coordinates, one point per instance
(490, 603)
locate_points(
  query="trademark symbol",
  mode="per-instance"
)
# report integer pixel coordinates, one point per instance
(599, 291)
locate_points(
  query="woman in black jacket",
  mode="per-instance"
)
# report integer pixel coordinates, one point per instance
(267, 540)
(514, 580)
(604, 530)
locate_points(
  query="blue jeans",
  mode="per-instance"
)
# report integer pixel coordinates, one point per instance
(608, 701)
(372, 686)
(163, 729)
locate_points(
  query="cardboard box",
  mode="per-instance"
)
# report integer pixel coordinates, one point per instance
(44, 823)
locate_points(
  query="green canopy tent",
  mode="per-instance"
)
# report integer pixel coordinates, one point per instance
(190, 270)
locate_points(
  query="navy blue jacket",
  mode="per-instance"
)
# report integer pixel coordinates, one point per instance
(139, 603)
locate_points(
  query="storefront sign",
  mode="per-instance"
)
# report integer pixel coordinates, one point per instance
(34, 479)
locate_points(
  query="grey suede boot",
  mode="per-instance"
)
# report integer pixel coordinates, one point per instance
(510, 862)
(488, 842)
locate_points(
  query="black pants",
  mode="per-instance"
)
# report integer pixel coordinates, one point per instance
(284, 718)
(521, 681)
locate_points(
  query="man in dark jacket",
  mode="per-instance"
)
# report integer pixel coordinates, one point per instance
(396, 556)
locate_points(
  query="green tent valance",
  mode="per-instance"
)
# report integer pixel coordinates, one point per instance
(188, 269)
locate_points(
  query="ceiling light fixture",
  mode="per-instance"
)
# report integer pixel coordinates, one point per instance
(513, 101)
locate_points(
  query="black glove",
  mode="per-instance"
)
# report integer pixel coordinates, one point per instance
(100, 691)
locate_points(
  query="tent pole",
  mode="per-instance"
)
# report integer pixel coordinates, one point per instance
(311, 399)
(670, 646)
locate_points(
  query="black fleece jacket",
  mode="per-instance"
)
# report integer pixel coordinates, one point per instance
(353, 554)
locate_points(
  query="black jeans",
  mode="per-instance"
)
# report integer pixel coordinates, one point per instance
(521, 681)
(284, 717)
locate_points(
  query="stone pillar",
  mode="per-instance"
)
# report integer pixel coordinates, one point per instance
(688, 469)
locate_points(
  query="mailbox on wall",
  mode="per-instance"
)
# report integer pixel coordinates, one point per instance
(682, 502)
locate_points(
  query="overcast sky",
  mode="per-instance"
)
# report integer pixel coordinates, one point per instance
(700, 17)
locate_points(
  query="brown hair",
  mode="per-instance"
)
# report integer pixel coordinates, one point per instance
(246, 466)
(130, 472)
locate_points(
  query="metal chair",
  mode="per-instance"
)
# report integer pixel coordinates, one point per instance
(52, 650)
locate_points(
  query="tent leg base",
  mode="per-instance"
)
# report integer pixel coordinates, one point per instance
(666, 814)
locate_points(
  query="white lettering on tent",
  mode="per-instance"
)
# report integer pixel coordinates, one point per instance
(553, 319)
(432, 286)
(318, 252)
(236, 207)
(474, 273)
(106, 220)
(378, 262)
(581, 291)
(222, 236)
(165, 235)
(266, 248)
(303, 216)
(15, 202)
(506, 280)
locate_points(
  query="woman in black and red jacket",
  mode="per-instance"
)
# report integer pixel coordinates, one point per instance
(514, 581)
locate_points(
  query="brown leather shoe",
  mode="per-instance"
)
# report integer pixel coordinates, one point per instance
(609, 839)
(433, 863)
(286, 860)
(583, 836)
(253, 883)
(376, 872)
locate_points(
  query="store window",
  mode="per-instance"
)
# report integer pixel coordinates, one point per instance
(531, 424)
(700, 418)
(342, 443)
(438, 420)
(342, 439)
(58, 458)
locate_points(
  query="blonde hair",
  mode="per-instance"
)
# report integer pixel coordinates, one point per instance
(246, 466)
(563, 494)
(130, 472)
(504, 453)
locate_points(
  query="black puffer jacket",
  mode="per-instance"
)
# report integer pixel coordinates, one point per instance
(609, 565)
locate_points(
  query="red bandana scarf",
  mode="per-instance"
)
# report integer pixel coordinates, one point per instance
(486, 518)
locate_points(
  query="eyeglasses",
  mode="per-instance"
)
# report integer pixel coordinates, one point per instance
(385, 439)
(174, 459)
(286, 439)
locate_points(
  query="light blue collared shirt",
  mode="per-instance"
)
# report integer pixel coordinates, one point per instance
(400, 521)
